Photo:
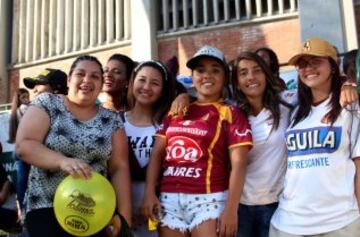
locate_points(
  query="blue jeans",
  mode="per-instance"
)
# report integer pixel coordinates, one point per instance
(22, 173)
(254, 221)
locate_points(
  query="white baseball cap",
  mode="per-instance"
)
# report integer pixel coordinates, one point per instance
(207, 51)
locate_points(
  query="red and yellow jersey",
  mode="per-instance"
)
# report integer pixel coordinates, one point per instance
(197, 149)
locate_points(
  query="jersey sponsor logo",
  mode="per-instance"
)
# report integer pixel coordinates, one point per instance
(313, 141)
(193, 131)
(189, 172)
(244, 134)
(183, 150)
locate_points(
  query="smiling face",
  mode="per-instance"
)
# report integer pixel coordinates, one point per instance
(251, 79)
(85, 83)
(315, 72)
(114, 77)
(209, 79)
(148, 85)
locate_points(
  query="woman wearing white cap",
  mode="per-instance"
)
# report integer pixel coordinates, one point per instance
(321, 195)
(199, 193)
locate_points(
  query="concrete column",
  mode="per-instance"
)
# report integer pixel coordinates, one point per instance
(338, 28)
(119, 19)
(143, 30)
(77, 25)
(60, 27)
(5, 44)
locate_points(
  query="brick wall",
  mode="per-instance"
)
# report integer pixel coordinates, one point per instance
(282, 36)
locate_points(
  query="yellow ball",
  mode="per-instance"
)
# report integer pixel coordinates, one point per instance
(84, 207)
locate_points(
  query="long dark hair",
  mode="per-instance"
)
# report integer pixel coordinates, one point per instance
(162, 105)
(306, 98)
(13, 120)
(274, 61)
(271, 98)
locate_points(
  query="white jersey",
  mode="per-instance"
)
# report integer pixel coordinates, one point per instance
(141, 140)
(319, 193)
(267, 159)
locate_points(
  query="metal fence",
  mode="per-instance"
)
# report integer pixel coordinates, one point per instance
(47, 28)
(179, 15)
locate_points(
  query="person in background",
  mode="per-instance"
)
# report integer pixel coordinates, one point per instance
(349, 64)
(49, 80)
(71, 135)
(150, 93)
(321, 193)
(271, 59)
(193, 153)
(117, 73)
(20, 103)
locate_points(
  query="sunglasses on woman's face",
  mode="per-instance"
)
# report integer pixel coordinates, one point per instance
(312, 62)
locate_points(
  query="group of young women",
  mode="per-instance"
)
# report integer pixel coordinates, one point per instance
(271, 160)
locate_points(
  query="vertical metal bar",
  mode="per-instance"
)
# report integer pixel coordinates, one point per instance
(195, 12)
(44, 38)
(165, 15)
(110, 21)
(29, 30)
(93, 23)
(37, 30)
(226, 10)
(258, 8)
(205, 12)
(15, 33)
(175, 15)
(119, 19)
(185, 13)
(77, 26)
(248, 9)
(270, 5)
(60, 26)
(69, 5)
(52, 28)
(281, 6)
(216, 10)
(292, 5)
(101, 22)
(84, 24)
(237, 9)
(127, 19)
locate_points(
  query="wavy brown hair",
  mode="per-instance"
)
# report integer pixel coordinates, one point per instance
(271, 97)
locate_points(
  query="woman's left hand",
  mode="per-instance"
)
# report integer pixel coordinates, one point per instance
(227, 223)
(348, 95)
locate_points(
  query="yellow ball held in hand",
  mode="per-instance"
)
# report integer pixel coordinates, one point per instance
(84, 206)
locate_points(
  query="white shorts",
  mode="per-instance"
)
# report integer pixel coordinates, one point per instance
(184, 212)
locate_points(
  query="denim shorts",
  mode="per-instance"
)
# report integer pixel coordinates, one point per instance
(184, 212)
